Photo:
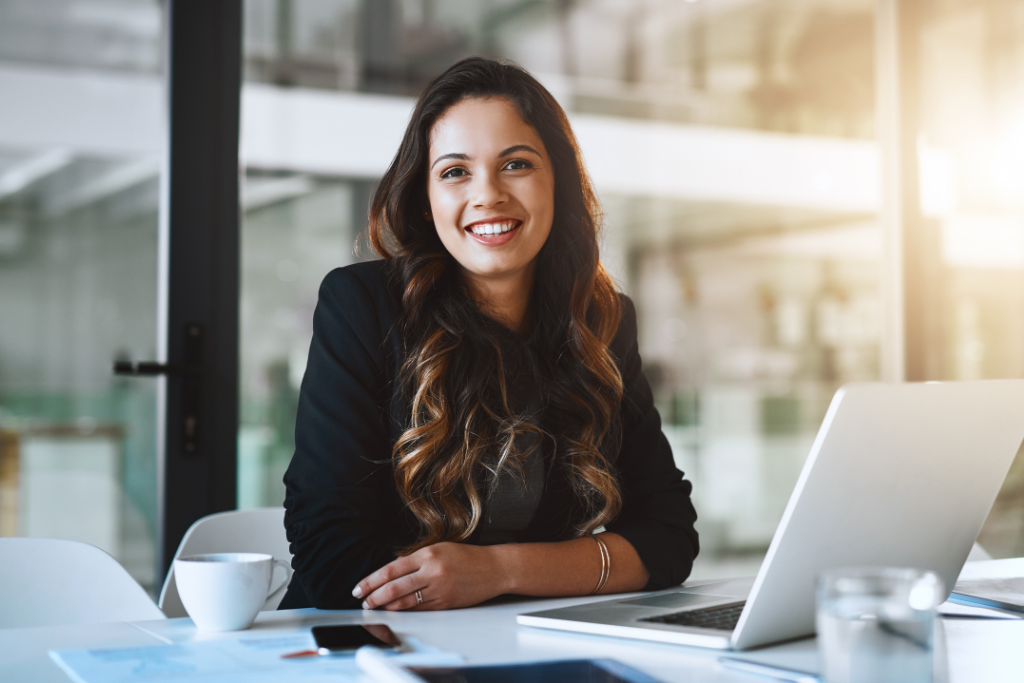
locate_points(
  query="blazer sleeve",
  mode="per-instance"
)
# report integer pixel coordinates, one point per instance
(657, 515)
(339, 506)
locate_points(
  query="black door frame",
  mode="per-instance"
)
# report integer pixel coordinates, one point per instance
(197, 449)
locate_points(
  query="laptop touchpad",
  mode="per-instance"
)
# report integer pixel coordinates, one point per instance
(677, 600)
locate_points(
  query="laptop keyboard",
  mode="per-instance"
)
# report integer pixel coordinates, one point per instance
(722, 618)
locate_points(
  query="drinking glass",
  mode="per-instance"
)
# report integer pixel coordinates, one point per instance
(876, 624)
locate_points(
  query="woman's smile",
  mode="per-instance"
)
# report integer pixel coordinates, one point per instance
(494, 232)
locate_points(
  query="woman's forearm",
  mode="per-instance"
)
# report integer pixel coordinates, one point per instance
(568, 567)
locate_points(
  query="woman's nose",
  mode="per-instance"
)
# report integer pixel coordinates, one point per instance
(488, 191)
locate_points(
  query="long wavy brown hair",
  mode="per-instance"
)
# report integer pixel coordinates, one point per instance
(461, 423)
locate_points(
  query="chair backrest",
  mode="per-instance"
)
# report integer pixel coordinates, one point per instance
(51, 582)
(259, 530)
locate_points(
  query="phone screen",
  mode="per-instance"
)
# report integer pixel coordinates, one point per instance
(333, 639)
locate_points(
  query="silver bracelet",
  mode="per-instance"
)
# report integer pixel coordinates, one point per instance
(606, 564)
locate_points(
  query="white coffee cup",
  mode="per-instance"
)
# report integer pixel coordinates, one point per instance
(225, 591)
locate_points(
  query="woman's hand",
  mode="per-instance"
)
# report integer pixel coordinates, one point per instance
(447, 575)
(450, 575)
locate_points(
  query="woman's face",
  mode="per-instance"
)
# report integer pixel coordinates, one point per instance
(491, 189)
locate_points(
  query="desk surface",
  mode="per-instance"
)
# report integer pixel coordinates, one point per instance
(977, 650)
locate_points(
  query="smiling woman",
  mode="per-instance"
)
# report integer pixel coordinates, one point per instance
(473, 410)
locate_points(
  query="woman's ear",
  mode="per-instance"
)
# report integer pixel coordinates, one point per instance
(427, 216)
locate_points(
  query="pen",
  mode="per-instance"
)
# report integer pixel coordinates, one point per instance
(381, 669)
(769, 670)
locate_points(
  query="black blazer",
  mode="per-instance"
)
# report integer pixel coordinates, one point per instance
(344, 517)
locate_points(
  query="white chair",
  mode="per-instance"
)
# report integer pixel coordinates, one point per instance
(51, 582)
(260, 530)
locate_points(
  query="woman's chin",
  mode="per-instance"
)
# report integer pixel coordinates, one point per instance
(496, 270)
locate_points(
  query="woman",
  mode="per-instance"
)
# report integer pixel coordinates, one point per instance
(473, 409)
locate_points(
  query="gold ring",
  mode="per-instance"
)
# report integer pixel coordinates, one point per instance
(419, 598)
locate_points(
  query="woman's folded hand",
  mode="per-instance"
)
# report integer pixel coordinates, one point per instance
(440, 576)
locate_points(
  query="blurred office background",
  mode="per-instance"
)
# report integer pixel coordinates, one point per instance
(735, 148)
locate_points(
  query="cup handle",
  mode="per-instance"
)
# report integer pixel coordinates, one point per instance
(287, 576)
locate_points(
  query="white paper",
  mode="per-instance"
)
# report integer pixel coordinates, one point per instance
(226, 661)
(953, 609)
(1003, 593)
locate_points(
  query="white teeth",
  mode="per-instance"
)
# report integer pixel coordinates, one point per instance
(492, 228)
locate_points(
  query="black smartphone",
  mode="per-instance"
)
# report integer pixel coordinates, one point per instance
(334, 640)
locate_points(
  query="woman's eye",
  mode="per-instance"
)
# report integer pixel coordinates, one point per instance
(518, 165)
(456, 172)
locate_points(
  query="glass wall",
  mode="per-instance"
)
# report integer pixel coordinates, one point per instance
(296, 229)
(732, 147)
(972, 97)
(80, 141)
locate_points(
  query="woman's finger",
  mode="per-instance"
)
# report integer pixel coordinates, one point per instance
(426, 605)
(394, 590)
(389, 572)
(410, 603)
(406, 602)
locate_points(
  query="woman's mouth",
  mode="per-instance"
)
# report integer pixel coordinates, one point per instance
(495, 232)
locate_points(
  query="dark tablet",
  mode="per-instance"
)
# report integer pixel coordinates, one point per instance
(566, 671)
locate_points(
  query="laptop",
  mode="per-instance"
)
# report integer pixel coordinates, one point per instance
(899, 475)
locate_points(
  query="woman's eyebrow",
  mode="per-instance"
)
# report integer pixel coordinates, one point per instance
(450, 155)
(518, 148)
(504, 153)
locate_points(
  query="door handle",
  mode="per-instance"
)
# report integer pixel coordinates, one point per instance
(148, 368)
(190, 372)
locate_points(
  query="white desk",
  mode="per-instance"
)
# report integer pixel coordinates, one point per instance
(23, 651)
(977, 650)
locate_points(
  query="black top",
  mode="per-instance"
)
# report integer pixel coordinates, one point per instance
(344, 517)
(511, 495)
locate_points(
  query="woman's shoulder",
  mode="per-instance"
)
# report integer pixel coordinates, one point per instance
(365, 296)
(370, 284)
(368, 277)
